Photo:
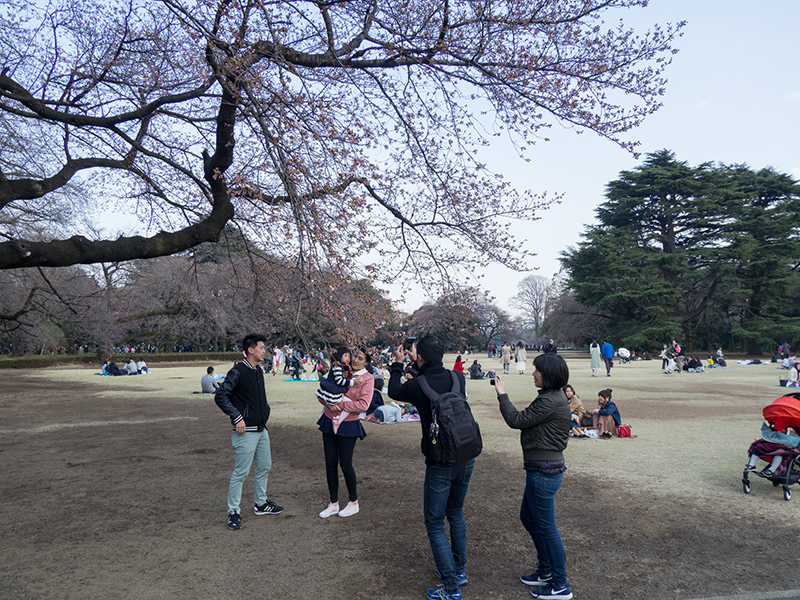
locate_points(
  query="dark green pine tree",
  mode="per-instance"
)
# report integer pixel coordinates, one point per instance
(765, 249)
(654, 261)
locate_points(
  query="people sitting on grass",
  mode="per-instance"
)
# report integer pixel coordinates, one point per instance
(793, 377)
(377, 396)
(131, 368)
(577, 411)
(458, 366)
(605, 418)
(208, 385)
(475, 371)
(142, 366)
(390, 413)
(113, 369)
(693, 365)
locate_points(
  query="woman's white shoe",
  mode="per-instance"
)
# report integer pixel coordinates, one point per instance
(332, 509)
(349, 510)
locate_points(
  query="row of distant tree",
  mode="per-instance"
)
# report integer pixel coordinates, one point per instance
(707, 254)
(209, 298)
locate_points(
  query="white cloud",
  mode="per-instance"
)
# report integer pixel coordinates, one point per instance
(793, 96)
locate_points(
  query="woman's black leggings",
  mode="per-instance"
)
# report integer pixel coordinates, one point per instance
(339, 451)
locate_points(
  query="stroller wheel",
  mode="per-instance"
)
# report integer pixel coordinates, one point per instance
(787, 493)
(746, 486)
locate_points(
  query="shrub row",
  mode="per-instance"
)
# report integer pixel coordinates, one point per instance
(36, 361)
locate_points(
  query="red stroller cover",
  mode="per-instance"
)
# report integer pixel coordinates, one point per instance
(784, 412)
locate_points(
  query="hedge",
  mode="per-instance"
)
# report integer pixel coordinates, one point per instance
(37, 361)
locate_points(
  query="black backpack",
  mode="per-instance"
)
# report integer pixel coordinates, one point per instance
(454, 435)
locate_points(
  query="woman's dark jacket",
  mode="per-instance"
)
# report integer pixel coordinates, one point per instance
(545, 425)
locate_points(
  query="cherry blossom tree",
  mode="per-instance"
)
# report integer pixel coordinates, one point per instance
(328, 131)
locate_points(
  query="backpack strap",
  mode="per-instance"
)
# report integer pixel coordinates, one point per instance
(428, 390)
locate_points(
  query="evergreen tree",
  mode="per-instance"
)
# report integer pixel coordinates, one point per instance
(694, 253)
(765, 246)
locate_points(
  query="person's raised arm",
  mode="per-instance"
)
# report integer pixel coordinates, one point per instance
(535, 413)
(397, 390)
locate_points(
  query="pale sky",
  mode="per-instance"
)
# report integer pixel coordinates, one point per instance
(733, 96)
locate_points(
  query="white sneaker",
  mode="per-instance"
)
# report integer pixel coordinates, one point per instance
(349, 510)
(332, 509)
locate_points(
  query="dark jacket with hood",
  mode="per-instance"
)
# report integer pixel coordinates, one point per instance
(242, 396)
(545, 425)
(440, 381)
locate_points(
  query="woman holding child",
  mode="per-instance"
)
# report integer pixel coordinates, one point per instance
(544, 426)
(339, 445)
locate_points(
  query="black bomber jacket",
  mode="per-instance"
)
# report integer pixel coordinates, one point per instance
(242, 396)
(544, 424)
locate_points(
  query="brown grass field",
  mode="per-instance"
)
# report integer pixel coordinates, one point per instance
(115, 488)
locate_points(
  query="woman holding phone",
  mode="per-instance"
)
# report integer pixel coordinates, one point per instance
(544, 431)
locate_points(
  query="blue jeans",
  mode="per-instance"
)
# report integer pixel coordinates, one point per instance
(538, 516)
(445, 491)
(250, 446)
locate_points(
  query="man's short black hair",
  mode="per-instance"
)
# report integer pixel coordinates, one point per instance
(431, 349)
(251, 341)
(210, 370)
(554, 370)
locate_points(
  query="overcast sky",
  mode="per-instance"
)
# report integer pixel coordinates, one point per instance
(733, 96)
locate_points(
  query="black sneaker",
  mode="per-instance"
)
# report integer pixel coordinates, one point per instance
(549, 592)
(234, 521)
(268, 508)
(536, 579)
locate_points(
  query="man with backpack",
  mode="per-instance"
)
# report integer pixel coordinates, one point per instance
(450, 442)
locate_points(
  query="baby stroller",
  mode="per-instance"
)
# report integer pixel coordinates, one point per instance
(783, 413)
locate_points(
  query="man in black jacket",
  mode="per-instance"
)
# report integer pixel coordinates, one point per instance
(445, 487)
(243, 398)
